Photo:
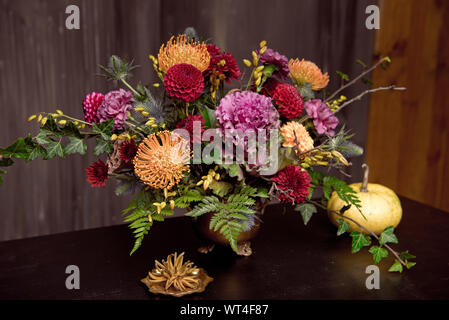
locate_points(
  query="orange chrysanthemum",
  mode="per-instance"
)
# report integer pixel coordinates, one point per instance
(161, 159)
(295, 134)
(182, 50)
(307, 72)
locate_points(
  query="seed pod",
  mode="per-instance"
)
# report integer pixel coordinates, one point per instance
(114, 137)
(59, 112)
(31, 118)
(200, 183)
(39, 119)
(262, 43)
(62, 122)
(145, 113)
(247, 62)
(139, 109)
(260, 68)
(262, 51)
(156, 85)
(255, 58)
(258, 81)
(172, 204)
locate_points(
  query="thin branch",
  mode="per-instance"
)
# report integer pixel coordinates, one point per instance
(392, 87)
(362, 227)
(356, 79)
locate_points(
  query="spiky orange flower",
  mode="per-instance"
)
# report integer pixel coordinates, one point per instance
(182, 50)
(295, 135)
(303, 71)
(161, 159)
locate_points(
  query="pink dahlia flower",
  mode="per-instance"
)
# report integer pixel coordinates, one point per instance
(115, 106)
(323, 118)
(280, 61)
(91, 104)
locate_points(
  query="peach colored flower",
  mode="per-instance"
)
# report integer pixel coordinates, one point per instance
(295, 135)
(303, 71)
(161, 160)
(182, 50)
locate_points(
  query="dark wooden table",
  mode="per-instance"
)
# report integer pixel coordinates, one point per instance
(290, 261)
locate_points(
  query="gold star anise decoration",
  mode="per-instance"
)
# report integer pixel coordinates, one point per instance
(175, 277)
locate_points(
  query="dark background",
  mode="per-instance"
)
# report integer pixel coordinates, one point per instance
(44, 66)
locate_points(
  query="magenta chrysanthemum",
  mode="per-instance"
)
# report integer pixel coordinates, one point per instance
(115, 106)
(97, 174)
(247, 110)
(294, 184)
(222, 62)
(278, 60)
(91, 104)
(288, 100)
(187, 124)
(184, 81)
(323, 118)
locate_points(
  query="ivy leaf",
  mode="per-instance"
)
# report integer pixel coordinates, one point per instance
(409, 264)
(38, 151)
(42, 138)
(75, 145)
(388, 236)
(51, 126)
(344, 76)
(104, 129)
(359, 240)
(343, 226)
(306, 91)
(378, 253)
(306, 210)
(406, 255)
(55, 149)
(209, 117)
(234, 170)
(18, 149)
(2, 172)
(70, 129)
(396, 267)
(102, 147)
(6, 162)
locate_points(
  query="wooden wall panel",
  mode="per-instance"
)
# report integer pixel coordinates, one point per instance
(44, 66)
(408, 132)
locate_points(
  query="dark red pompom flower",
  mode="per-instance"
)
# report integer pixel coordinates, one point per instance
(128, 151)
(269, 86)
(294, 182)
(188, 122)
(288, 100)
(90, 105)
(223, 63)
(97, 173)
(184, 81)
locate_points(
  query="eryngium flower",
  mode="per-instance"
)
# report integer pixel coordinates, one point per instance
(184, 82)
(294, 184)
(182, 50)
(288, 101)
(323, 118)
(296, 136)
(91, 104)
(302, 72)
(278, 60)
(115, 106)
(162, 159)
(247, 110)
(97, 174)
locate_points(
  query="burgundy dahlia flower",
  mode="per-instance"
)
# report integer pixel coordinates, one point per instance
(91, 104)
(294, 184)
(115, 106)
(128, 151)
(224, 63)
(288, 100)
(184, 81)
(97, 174)
(187, 124)
(324, 119)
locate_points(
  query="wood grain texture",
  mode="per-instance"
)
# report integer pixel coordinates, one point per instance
(408, 131)
(43, 66)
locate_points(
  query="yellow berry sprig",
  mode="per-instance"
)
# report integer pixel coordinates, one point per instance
(322, 158)
(42, 118)
(257, 71)
(335, 104)
(157, 69)
(209, 178)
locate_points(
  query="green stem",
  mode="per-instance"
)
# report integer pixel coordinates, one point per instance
(129, 87)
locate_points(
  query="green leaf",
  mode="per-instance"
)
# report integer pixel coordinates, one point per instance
(209, 117)
(388, 236)
(306, 92)
(344, 76)
(361, 63)
(104, 129)
(378, 253)
(18, 149)
(396, 267)
(234, 170)
(6, 162)
(343, 226)
(51, 126)
(262, 193)
(409, 264)
(42, 138)
(75, 145)
(406, 255)
(55, 149)
(220, 188)
(102, 147)
(306, 210)
(359, 241)
(157, 217)
(38, 151)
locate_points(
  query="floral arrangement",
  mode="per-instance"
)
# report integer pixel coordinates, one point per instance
(192, 143)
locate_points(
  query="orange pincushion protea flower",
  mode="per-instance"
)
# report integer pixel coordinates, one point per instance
(307, 72)
(160, 163)
(295, 134)
(181, 50)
